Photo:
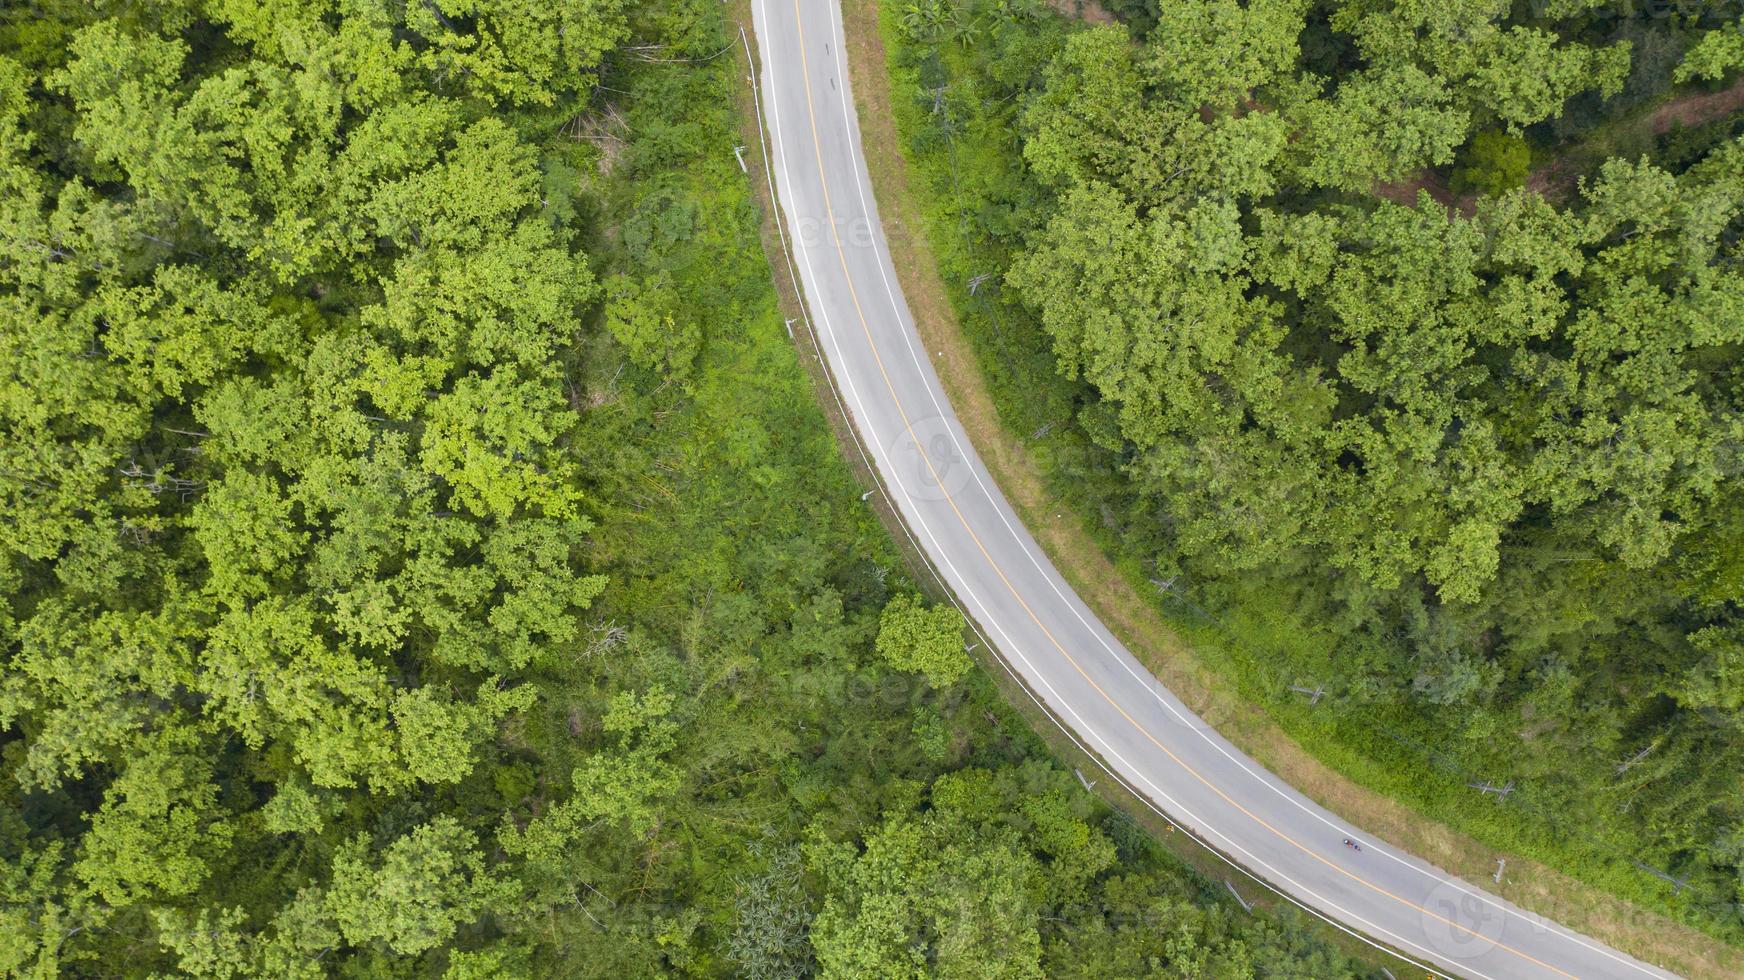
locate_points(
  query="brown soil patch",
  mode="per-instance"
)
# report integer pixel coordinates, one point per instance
(1556, 178)
(1088, 11)
(1701, 107)
(1135, 620)
(1553, 180)
(1405, 191)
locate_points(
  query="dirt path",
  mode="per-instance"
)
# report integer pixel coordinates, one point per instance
(1088, 11)
(1556, 179)
(1697, 108)
(1405, 191)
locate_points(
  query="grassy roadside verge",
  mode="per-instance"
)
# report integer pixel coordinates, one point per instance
(1036, 473)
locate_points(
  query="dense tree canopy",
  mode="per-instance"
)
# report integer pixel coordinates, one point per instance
(284, 488)
(930, 641)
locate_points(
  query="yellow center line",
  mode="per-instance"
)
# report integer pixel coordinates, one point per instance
(854, 297)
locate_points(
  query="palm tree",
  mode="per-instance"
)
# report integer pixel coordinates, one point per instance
(965, 27)
(920, 19)
(1012, 11)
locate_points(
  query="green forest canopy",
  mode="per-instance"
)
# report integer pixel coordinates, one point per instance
(1478, 453)
(421, 555)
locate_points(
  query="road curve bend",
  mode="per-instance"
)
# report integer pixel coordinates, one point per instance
(1073, 665)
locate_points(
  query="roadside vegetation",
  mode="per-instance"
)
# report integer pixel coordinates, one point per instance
(1468, 468)
(423, 555)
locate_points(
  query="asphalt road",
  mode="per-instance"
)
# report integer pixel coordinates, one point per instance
(1049, 637)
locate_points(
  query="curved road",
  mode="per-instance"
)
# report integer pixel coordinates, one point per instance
(1048, 636)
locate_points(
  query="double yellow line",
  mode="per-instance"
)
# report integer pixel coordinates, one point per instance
(854, 297)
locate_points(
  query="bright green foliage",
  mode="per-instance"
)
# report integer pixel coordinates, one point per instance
(1382, 124)
(1718, 680)
(1217, 53)
(1718, 54)
(1092, 123)
(421, 889)
(930, 897)
(640, 316)
(912, 636)
(158, 826)
(626, 786)
(520, 51)
(978, 881)
(289, 511)
(1515, 73)
(1493, 163)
